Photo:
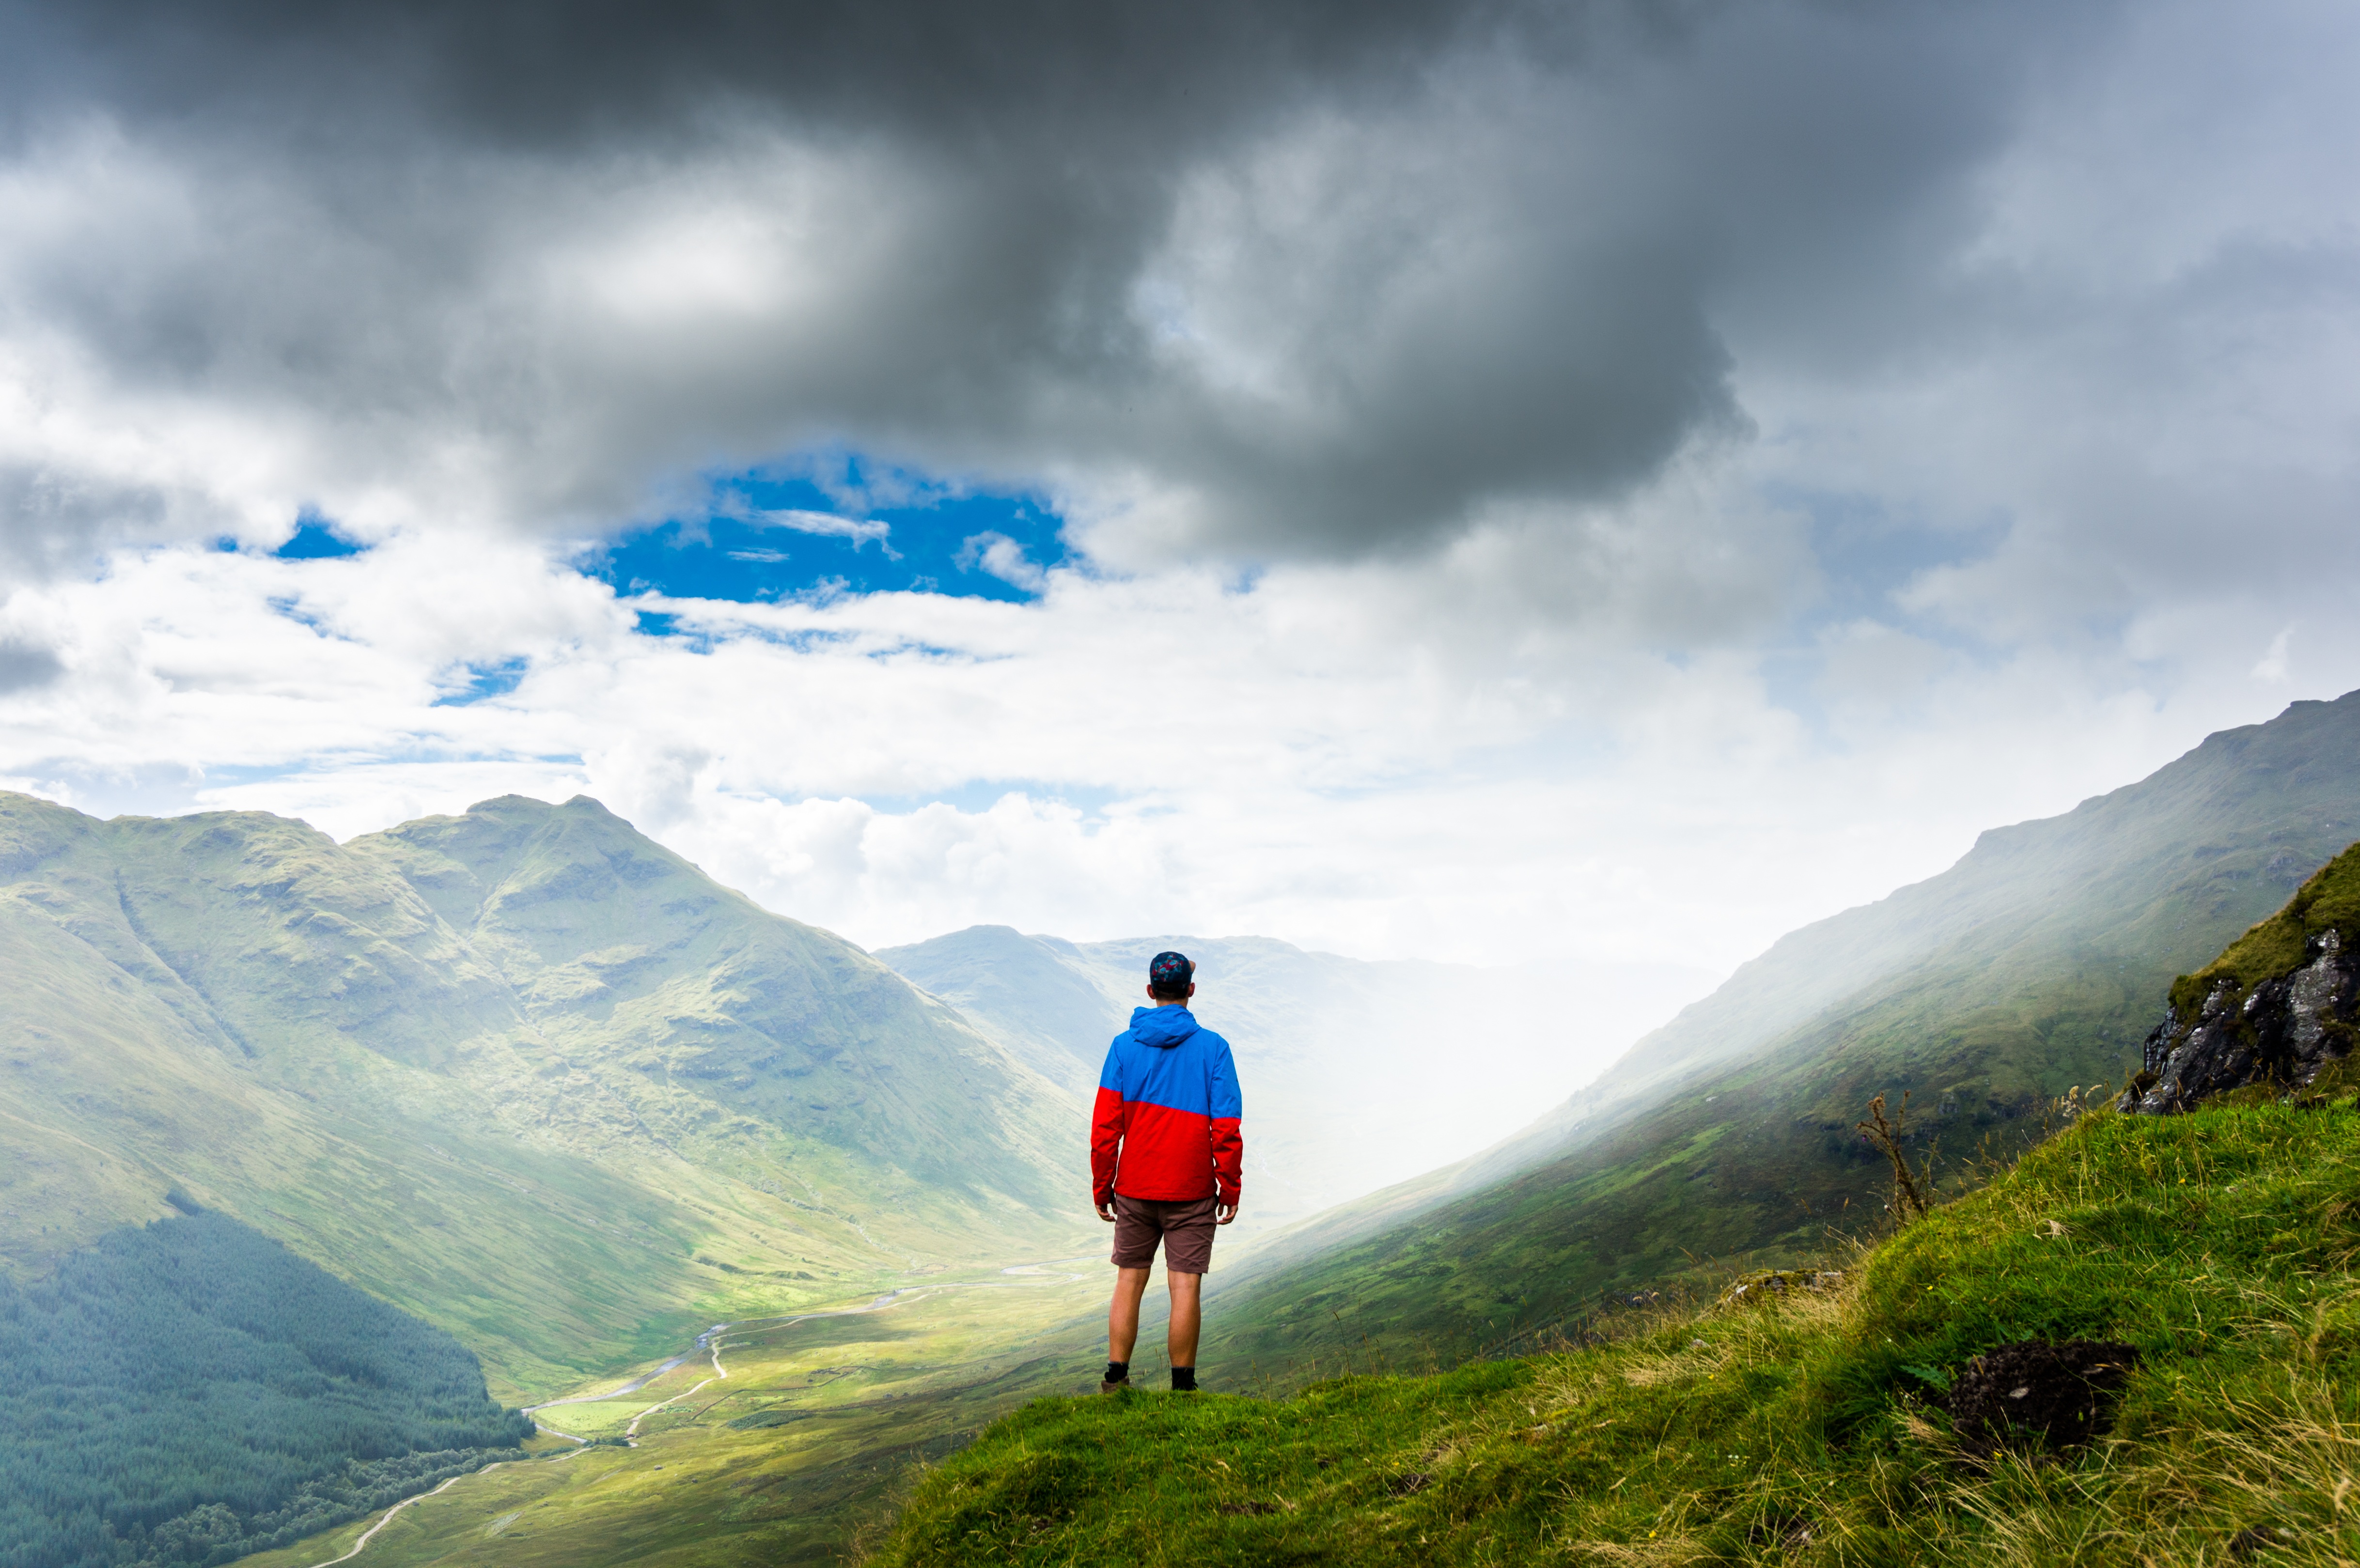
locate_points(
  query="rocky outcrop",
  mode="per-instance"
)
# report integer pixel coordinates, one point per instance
(2282, 1032)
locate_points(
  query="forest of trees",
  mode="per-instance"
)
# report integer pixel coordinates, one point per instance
(188, 1391)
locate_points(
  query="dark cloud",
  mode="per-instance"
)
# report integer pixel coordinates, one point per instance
(1297, 279)
(58, 517)
(556, 75)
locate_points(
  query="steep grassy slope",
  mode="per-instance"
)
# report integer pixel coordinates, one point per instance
(560, 1094)
(1337, 1056)
(2037, 963)
(1805, 1430)
(747, 1042)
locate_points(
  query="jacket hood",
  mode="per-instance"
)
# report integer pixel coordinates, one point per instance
(1163, 1028)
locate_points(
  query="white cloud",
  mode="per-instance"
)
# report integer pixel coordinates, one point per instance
(1382, 761)
(2273, 665)
(1001, 557)
(828, 525)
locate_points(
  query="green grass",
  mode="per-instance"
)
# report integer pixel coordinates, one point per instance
(2220, 1245)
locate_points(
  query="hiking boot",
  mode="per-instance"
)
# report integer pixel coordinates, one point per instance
(1115, 1387)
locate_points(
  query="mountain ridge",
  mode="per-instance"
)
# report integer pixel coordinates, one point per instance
(560, 1149)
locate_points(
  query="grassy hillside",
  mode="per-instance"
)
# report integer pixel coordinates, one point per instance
(523, 1073)
(2040, 961)
(1808, 1427)
(740, 1040)
(190, 1389)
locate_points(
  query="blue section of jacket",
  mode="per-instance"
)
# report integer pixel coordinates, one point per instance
(1166, 1058)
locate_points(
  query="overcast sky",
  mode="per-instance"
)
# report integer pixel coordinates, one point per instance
(1495, 482)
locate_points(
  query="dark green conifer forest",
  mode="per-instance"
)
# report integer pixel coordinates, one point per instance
(188, 1391)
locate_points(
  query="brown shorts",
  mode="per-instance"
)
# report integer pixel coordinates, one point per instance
(1184, 1228)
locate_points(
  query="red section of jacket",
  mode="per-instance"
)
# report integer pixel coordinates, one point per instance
(1164, 1155)
(1106, 1143)
(1228, 1157)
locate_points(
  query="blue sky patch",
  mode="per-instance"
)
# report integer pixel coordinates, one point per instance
(843, 524)
(315, 538)
(489, 679)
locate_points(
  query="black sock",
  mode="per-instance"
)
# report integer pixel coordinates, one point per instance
(1184, 1379)
(1118, 1372)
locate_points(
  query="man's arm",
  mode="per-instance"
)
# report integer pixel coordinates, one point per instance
(1106, 1138)
(1229, 1141)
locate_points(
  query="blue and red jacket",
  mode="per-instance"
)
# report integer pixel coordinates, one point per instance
(1167, 1123)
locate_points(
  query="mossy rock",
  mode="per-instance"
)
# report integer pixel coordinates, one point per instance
(2330, 900)
(1766, 1285)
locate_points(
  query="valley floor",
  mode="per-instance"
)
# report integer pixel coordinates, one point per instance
(782, 1461)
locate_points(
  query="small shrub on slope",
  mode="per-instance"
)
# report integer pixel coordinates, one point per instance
(2217, 1247)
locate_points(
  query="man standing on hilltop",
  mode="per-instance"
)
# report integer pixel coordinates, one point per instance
(1164, 1155)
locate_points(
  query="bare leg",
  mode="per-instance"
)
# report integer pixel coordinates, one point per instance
(1186, 1314)
(1122, 1317)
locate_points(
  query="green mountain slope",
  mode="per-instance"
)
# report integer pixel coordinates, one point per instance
(522, 1071)
(2036, 964)
(741, 1039)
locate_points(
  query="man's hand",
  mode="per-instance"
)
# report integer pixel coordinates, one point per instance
(1106, 1213)
(1224, 1213)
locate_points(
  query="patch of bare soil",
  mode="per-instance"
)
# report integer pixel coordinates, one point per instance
(2038, 1395)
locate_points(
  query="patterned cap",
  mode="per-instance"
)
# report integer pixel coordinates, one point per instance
(1170, 971)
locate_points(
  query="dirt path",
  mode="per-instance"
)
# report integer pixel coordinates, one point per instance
(370, 1533)
(633, 1386)
(631, 1432)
